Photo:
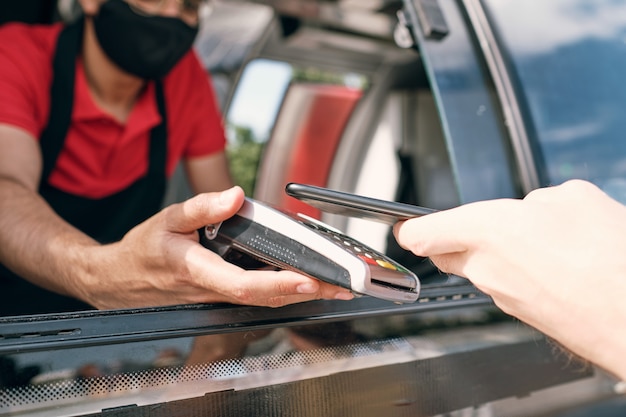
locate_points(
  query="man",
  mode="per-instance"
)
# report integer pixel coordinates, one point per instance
(555, 260)
(94, 116)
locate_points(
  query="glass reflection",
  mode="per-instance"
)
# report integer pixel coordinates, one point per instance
(144, 370)
(87, 380)
(569, 58)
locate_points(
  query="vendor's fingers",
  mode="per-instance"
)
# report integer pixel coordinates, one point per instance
(257, 287)
(279, 288)
(203, 209)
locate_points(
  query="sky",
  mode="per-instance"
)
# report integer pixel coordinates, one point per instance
(259, 95)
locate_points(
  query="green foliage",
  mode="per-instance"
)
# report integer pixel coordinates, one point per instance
(316, 75)
(244, 149)
(244, 154)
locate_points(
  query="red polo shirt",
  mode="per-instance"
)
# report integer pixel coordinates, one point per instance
(102, 156)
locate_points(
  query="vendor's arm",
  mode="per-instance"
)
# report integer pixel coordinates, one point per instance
(556, 260)
(34, 241)
(209, 173)
(159, 262)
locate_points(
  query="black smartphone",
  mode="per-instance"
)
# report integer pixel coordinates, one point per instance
(354, 205)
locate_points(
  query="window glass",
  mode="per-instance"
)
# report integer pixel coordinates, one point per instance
(255, 106)
(568, 59)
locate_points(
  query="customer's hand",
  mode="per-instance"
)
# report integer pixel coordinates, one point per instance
(160, 262)
(556, 260)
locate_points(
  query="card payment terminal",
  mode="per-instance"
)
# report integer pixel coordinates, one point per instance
(260, 235)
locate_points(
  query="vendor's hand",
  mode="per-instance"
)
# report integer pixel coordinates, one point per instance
(556, 260)
(160, 262)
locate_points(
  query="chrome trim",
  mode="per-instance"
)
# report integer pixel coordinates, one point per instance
(513, 120)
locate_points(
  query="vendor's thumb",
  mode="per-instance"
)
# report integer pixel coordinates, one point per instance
(203, 209)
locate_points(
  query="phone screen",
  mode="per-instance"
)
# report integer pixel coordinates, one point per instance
(354, 205)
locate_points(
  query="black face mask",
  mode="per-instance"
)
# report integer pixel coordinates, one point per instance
(145, 46)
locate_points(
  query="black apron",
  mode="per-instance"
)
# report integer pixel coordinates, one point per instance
(106, 219)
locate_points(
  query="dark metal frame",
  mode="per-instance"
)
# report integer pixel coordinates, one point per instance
(482, 162)
(23, 334)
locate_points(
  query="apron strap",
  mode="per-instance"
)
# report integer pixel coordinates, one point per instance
(61, 95)
(158, 138)
(62, 103)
